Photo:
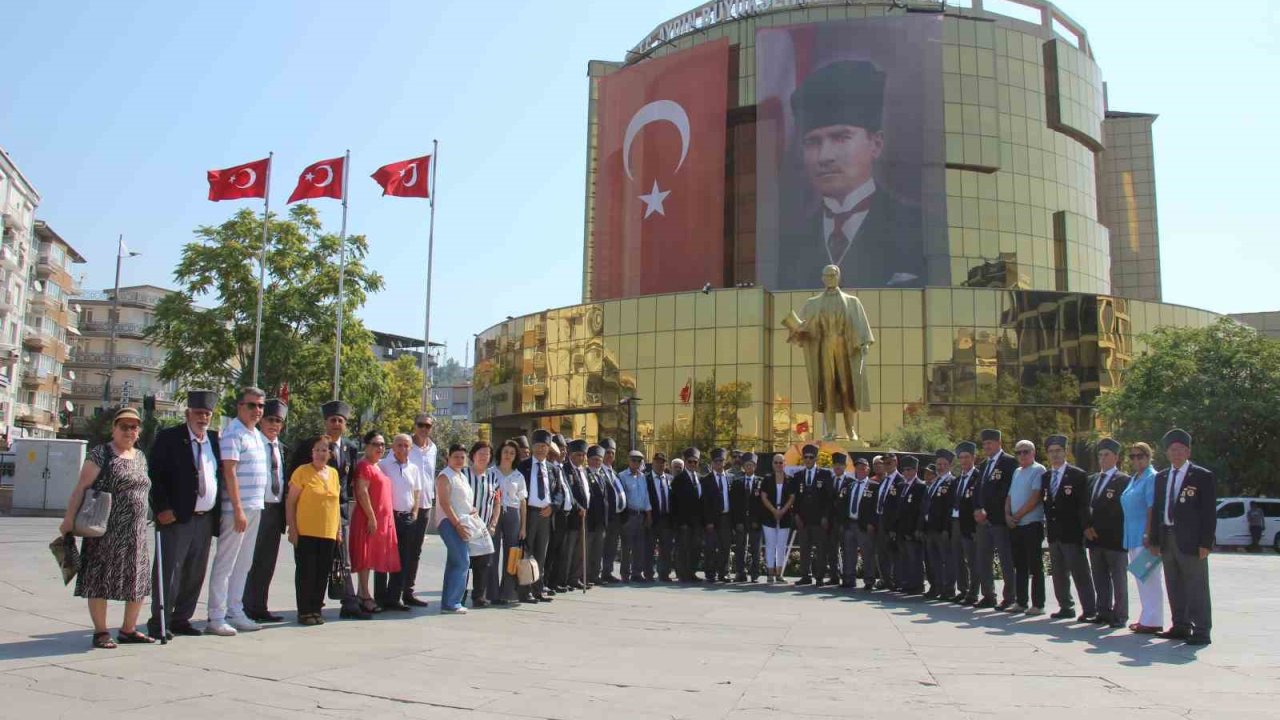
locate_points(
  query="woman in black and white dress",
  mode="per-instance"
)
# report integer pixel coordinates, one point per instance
(484, 491)
(116, 566)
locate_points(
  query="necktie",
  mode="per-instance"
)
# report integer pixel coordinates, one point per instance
(1102, 483)
(837, 243)
(854, 494)
(809, 479)
(275, 472)
(540, 478)
(204, 488)
(662, 494)
(697, 484)
(1057, 480)
(1168, 500)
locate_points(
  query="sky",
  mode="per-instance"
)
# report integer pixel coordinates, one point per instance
(114, 111)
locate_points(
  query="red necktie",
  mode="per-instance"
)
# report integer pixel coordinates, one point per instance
(837, 243)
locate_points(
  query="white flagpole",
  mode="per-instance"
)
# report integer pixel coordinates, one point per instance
(431, 242)
(342, 272)
(262, 266)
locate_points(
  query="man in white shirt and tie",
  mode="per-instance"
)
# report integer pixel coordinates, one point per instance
(1066, 509)
(538, 524)
(963, 503)
(719, 528)
(1183, 526)
(272, 526)
(660, 533)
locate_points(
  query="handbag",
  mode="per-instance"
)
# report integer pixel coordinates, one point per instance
(95, 506)
(64, 551)
(481, 542)
(528, 572)
(337, 578)
(513, 559)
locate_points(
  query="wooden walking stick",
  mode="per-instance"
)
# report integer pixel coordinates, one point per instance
(583, 534)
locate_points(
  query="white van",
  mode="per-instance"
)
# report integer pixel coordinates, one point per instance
(1233, 521)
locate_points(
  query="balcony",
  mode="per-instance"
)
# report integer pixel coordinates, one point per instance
(122, 361)
(9, 258)
(93, 391)
(122, 329)
(40, 341)
(127, 297)
(29, 416)
(33, 378)
(86, 390)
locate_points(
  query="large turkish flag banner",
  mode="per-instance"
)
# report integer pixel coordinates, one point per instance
(659, 194)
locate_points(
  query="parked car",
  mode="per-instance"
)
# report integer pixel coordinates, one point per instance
(1233, 521)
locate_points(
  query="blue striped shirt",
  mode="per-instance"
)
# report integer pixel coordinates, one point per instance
(248, 448)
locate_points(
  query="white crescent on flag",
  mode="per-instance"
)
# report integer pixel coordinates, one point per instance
(410, 182)
(658, 110)
(253, 178)
(328, 176)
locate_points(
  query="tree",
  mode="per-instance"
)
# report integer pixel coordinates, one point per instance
(448, 431)
(920, 432)
(401, 402)
(1031, 412)
(711, 421)
(450, 373)
(1218, 383)
(207, 327)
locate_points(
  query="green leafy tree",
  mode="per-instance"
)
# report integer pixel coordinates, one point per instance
(448, 431)
(1219, 383)
(208, 325)
(712, 419)
(1032, 412)
(450, 372)
(920, 432)
(403, 397)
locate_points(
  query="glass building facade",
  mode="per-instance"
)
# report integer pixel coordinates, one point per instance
(1026, 312)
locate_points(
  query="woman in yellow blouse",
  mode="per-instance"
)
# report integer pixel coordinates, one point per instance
(312, 516)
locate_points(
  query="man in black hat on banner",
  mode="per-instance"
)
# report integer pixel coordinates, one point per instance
(185, 465)
(1184, 522)
(850, 222)
(272, 526)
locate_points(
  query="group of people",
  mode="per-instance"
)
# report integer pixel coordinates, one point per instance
(357, 518)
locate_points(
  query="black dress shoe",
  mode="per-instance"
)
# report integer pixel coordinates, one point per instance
(529, 601)
(348, 614)
(1174, 633)
(549, 591)
(415, 602)
(577, 585)
(480, 603)
(637, 579)
(401, 607)
(1064, 614)
(268, 617)
(806, 580)
(185, 629)
(1085, 618)
(544, 598)
(562, 589)
(984, 604)
(740, 577)
(1198, 640)
(1102, 619)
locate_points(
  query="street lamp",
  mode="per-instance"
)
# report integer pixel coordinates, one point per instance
(122, 251)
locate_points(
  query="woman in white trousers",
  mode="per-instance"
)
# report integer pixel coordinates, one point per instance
(777, 494)
(1137, 500)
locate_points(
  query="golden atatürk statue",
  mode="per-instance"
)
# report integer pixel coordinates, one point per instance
(832, 329)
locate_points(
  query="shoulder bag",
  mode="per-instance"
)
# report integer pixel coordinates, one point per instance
(95, 505)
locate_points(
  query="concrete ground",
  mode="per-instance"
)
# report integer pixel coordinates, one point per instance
(639, 652)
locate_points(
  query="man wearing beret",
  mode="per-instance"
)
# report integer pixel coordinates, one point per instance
(186, 495)
(272, 524)
(937, 528)
(834, 542)
(845, 516)
(1104, 531)
(849, 221)
(570, 572)
(538, 473)
(635, 520)
(886, 531)
(1066, 508)
(599, 513)
(617, 509)
(660, 533)
(686, 509)
(964, 552)
(910, 533)
(1184, 523)
(716, 511)
(744, 510)
(814, 487)
(993, 537)
(867, 490)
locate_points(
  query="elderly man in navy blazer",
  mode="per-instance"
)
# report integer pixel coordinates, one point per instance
(186, 495)
(1183, 524)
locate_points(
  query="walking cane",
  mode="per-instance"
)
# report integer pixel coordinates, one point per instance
(583, 534)
(164, 630)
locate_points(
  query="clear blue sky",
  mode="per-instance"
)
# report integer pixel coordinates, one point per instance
(115, 111)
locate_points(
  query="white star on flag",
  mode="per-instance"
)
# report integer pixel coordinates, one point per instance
(310, 176)
(653, 201)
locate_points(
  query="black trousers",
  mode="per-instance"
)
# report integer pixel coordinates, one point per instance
(689, 543)
(312, 560)
(811, 540)
(480, 578)
(556, 571)
(612, 541)
(716, 555)
(186, 557)
(537, 538)
(265, 551)
(746, 544)
(390, 588)
(1028, 563)
(659, 543)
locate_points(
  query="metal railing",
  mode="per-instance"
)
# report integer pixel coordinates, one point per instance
(89, 358)
(126, 296)
(105, 326)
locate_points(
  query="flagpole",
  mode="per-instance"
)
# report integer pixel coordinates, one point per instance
(262, 265)
(431, 242)
(342, 272)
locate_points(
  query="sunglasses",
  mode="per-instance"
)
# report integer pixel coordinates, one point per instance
(1137, 456)
(423, 425)
(1026, 452)
(129, 427)
(259, 406)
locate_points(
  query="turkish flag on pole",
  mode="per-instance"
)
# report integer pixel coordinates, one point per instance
(242, 181)
(659, 185)
(322, 179)
(407, 178)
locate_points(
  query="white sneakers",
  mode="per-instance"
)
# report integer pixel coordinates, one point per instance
(455, 611)
(219, 628)
(231, 627)
(1016, 608)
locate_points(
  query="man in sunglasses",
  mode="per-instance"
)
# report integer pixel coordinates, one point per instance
(814, 500)
(422, 455)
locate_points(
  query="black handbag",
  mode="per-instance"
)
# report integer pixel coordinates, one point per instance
(337, 578)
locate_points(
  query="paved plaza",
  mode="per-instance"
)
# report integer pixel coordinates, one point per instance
(640, 652)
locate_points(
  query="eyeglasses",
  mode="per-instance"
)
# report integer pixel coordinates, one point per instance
(422, 425)
(1138, 456)
(1026, 452)
(255, 405)
(131, 427)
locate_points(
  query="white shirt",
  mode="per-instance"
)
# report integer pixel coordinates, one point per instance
(1056, 474)
(965, 479)
(538, 468)
(202, 454)
(722, 482)
(404, 481)
(854, 223)
(1103, 478)
(662, 488)
(425, 460)
(512, 487)
(273, 450)
(460, 497)
(1176, 477)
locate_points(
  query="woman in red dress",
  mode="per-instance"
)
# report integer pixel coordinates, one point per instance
(373, 527)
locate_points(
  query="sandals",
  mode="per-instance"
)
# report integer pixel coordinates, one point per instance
(103, 641)
(134, 638)
(368, 605)
(311, 619)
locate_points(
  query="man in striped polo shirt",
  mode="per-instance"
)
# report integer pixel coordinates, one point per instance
(246, 474)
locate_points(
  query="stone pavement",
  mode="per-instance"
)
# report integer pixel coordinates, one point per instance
(639, 652)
